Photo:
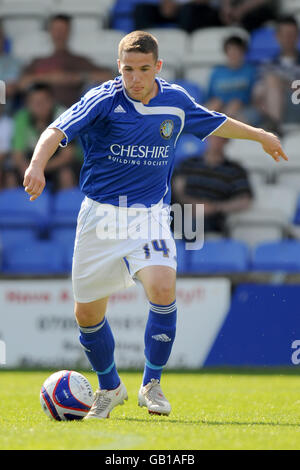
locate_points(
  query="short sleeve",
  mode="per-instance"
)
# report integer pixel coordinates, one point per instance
(199, 120)
(74, 120)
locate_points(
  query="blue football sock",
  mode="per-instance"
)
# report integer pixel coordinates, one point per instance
(99, 345)
(159, 337)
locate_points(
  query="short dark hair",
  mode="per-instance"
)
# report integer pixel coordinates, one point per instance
(61, 17)
(38, 86)
(235, 41)
(139, 41)
(287, 19)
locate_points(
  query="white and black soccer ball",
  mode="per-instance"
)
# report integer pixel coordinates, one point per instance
(66, 395)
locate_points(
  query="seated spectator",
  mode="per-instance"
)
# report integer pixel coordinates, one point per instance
(186, 14)
(66, 72)
(231, 85)
(213, 180)
(6, 130)
(274, 91)
(10, 71)
(250, 14)
(29, 123)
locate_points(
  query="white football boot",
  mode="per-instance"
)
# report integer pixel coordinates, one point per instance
(152, 397)
(105, 401)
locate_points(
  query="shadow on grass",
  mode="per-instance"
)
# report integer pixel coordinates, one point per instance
(209, 423)
(247, 370)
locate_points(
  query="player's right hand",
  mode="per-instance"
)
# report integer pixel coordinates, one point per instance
(34, 181)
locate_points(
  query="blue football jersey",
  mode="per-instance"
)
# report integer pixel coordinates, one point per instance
(129, 146)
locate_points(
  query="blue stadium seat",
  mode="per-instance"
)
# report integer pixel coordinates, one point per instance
(220, 256)
(263, 45)
(66, 205)
(188, 146)
(297, 214)
(34, 257)
(16, 210)
(65, 237)
(182, 257)
(13, 236)
(277, 256)
(122, 15)
(193, 89)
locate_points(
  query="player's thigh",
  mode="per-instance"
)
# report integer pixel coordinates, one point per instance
(90, 313)
(159, 283)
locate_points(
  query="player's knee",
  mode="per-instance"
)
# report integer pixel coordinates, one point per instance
(162, 293)
(88, 314)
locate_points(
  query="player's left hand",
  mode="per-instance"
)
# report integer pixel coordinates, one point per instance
(271, 145)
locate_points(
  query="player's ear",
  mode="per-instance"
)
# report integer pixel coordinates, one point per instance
(119, 65)
(159, 65)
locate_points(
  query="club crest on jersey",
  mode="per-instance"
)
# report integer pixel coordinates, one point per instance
(166, 129)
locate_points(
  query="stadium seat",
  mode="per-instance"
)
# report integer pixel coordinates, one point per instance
(200, 75)
(84, 25)
(219, 256)
(65, 236)
(280, 256)
(188, 146)
(31, 46)
(251, 156)
(289, 178)
(99, 46)
(82, 8)
(122, 15)
(19, 26)
(66, 205)
(289, 7)
(266, 220)
(35, 257)
(297, 212)
(193, 89)
(182, 257)
(16, 210)
(172, 44)
(206, 45)
(31, 8)
(263, 45)
(270, 197)
(12, 236)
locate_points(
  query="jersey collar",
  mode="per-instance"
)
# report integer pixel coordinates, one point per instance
(160, 90)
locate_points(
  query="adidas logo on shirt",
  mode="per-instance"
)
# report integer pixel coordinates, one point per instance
(119, 109)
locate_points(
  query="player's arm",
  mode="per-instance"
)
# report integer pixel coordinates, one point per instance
(34, 178)
(233, 129)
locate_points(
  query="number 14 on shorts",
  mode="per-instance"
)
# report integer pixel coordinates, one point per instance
(158, 245)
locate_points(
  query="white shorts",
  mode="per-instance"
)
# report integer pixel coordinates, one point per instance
(113, 243)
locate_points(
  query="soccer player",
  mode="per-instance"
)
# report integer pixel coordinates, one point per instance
(128, 128)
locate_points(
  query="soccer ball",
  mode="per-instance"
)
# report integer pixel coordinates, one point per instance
(66, 395)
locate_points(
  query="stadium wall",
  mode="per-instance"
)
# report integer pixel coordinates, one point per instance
(258, 326)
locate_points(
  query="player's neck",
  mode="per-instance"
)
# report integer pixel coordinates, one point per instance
(146, 99)
(151, 94)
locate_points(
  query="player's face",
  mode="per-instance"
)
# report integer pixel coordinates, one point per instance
(138, 71)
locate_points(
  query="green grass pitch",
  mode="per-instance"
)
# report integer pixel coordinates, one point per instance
(211, 410)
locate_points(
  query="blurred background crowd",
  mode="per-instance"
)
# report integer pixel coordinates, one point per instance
(240, 57)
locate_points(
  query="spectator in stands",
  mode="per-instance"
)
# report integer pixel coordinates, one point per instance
(250, 14)
(186, 14)
(29, 122)
(274, 91)
(66, 72)
(213, 180)
(10, 71)
(6, 130)
(231, 85)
